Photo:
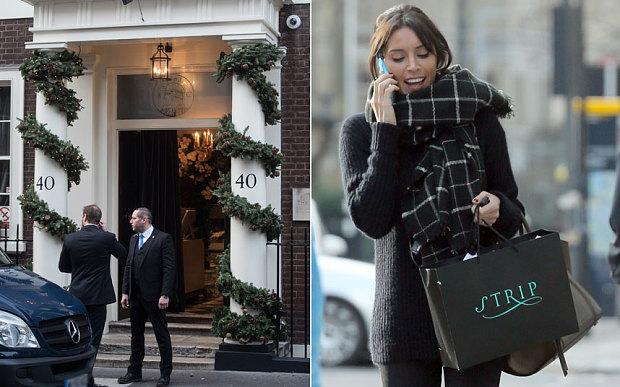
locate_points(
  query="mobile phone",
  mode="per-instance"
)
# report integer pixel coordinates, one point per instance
(383, 70)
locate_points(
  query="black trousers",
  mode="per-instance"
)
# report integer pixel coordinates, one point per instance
(428, 373)
(139, 311)
(97, 315)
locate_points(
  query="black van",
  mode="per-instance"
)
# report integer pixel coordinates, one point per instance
(45, 332)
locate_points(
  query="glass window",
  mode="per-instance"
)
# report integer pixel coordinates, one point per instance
(186, 95)
(11, 155)
(5, 145)
(5, 103)
(5, 139)
(5, 182)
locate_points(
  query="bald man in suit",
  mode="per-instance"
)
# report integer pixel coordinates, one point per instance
(147, 285)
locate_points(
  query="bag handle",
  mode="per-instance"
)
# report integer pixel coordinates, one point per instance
(524, 227)
(485, 200)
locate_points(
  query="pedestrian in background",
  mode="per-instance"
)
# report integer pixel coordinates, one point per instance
(147, 286)
(86, 255)
(427, 150)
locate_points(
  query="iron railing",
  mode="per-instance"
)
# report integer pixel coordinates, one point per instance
(15, 254)
(280, 254)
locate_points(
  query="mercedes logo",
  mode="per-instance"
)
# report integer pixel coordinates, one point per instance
(73, 330)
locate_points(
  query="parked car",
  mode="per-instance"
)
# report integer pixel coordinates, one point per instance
(348, 286)
(45, 333)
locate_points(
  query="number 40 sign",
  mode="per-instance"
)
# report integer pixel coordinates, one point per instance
(46, 183)
(248, 180)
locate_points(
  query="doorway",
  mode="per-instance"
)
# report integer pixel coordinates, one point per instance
(169, 172)
(204, 227)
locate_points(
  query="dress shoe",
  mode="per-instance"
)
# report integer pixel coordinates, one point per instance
(163, 381)
(129, 377)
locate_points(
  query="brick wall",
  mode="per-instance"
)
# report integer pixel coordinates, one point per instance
(296, 168)
(14, 34)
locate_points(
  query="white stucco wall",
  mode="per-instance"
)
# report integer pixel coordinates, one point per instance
(16, 9)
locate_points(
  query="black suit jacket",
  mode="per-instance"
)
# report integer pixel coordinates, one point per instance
(156, 266)
(86, 255)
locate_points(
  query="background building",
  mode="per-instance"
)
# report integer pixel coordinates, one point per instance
(130, 127)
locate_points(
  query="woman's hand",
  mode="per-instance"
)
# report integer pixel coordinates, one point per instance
(381, 101)
(490, 212)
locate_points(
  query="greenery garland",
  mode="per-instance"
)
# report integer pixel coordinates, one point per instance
(259, 219)
(235, 144)
(49, 73)
(38, 210)
(249, 63)
(67, 155)
(245, 327)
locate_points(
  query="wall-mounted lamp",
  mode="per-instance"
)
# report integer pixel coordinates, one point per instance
(159, 64)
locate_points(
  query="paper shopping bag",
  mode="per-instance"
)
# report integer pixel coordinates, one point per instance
(510, 297)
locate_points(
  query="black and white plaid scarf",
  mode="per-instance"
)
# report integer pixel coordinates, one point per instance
(451, 170)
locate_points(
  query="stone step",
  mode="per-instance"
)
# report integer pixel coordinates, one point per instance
(182, 345)
(152, 362)
(123, 326)
(190, 318)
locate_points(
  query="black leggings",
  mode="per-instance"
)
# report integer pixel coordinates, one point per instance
(428, 373)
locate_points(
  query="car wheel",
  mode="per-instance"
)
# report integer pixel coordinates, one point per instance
(343, 334)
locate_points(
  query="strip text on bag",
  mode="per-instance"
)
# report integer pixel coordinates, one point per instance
(506, 301)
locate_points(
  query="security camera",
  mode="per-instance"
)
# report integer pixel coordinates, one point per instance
(293, 22)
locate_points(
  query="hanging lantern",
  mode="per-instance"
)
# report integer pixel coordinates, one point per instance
(159, 64)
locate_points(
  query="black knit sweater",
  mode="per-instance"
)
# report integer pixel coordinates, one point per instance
(376, 164)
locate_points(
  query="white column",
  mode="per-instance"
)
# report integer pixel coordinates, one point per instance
(248, 258)
(81, 134)
(51, 185)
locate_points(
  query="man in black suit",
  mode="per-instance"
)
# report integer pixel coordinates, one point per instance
(86, 255)
(147, 286)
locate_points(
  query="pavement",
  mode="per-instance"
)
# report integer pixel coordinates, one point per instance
(211, 378)
(594, 361)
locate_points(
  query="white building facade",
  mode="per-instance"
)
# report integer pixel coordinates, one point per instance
(121, 104)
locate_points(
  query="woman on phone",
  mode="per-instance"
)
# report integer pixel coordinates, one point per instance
(427, 150)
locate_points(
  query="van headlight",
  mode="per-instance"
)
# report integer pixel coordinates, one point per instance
(15, 333)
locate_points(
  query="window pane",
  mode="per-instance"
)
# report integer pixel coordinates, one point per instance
(5, 102)
(186, 95)
(4, 176)
(4, 200)
(5, 136)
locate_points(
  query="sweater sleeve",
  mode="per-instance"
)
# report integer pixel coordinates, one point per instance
(369, 165)
(500, 179)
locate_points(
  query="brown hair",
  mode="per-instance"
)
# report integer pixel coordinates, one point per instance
(405, 15)
(93, 213)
